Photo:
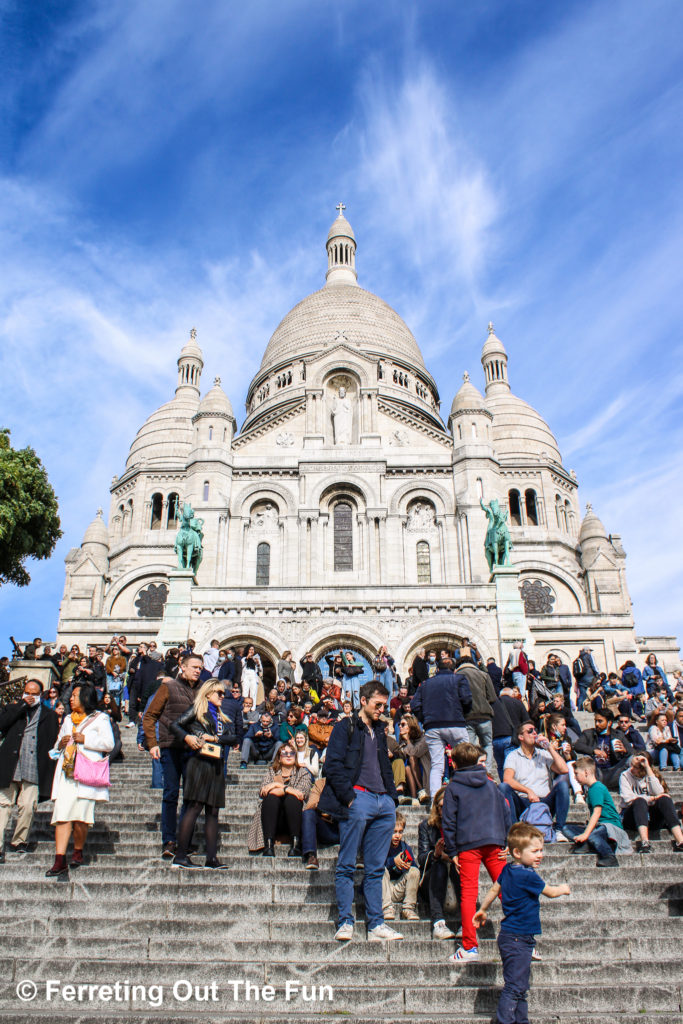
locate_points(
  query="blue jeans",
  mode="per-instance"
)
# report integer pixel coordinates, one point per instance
(481, 734)
(557, 800)
(173, 765)
(315, 829)
(665, 755)
(436, 744)
(157, 775)
(369, 827)
(515, 952)
(598, 840)
(501, 746)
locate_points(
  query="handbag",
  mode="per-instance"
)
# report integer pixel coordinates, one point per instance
(91, 773)
(210, 750)
(672, 746)
(319, 733)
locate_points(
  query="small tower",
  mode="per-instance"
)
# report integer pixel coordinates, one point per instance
(190, 366)
(494, 359)
(341, 251)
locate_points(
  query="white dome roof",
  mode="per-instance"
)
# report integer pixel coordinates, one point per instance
(165, 438)
(97, 532)
(365, 320)
(517, 429)
(468, 398)
(341, 228)
(216, 401)
(592, 528)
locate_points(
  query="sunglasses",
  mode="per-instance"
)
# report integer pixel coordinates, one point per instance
(221, 693)
(288, 753)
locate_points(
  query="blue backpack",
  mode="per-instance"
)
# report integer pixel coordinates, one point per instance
(540, 817)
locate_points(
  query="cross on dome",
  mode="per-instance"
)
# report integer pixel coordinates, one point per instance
(490, 327)
(341, 208)
(216, 382)
(466, 377)
(193, 333)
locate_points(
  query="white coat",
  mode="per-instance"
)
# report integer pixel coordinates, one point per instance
(99, 741)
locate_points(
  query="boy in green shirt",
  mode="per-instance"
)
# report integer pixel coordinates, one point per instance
(604, 832)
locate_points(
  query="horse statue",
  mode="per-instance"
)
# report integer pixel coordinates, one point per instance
(188, 543)
(497, 544)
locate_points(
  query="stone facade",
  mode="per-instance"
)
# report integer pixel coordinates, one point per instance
(345, 510)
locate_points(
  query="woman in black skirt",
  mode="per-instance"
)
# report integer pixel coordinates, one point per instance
(209, 734)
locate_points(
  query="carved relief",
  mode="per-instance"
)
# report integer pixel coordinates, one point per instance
(399, 438)
(264, 518)
(285, 439)
(421, 517)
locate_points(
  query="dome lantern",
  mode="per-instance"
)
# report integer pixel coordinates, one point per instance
(190, 365)
(494, 359)
(341, 251)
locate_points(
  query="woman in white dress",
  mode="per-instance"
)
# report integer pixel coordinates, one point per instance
(87, 731)
(252, 673)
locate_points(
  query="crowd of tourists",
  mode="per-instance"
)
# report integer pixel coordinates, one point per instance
(495, 754)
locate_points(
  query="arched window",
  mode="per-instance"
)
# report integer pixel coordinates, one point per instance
(263, 564)
(569, 516)
(343, 537)
(173, 509)
(474, 430)
(210, 433)
(561, 513)
(128, 518)
(531, 509)
(157, 507)
(459, 432)
(424, 563)
(206, 490)
(515, 511)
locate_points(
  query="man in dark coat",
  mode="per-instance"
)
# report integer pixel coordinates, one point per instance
(29, 731)
(360, 794)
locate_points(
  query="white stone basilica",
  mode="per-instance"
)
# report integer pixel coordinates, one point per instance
(347, 510)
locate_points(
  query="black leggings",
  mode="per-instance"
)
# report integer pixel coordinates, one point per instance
(436, 882)
(281, 814)
(192, 811)
(660, 814)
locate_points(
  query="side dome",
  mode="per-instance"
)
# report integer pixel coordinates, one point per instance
(165, 438)
(216, 401)
(519, 430)
(344, 313)
(468, 398)
(97, 533)
(592, 528)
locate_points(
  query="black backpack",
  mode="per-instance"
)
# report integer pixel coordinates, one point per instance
(578, 667)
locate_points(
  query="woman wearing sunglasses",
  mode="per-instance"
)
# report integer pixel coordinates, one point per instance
(283, 794)
(209, 734)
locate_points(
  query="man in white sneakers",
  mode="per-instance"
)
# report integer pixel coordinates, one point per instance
(360, 794)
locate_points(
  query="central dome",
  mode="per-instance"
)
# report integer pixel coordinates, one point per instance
(342, 313)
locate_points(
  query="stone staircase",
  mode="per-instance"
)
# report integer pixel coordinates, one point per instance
(611, 952)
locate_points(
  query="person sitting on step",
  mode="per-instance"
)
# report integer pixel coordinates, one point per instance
(283, 793)
(608, 746)
(260, 741)
(604, 834)
(436, 866)
(645, 804)
(412, 746)
(535, 771)
(660, 742)
(401, 877)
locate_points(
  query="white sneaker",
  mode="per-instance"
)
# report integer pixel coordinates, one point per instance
(442, 931)
(580, 799)
(536, 955)
(462, 954)
(383, 932)
(344, 932)
(559, 838)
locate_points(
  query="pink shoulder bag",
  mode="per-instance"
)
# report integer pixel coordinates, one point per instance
(91, 773)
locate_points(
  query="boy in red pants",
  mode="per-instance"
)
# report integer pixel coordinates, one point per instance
(476, 819)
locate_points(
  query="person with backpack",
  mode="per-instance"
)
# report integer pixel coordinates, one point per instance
(584, 671)
(536, 773)
(476, 819)
(517, 666)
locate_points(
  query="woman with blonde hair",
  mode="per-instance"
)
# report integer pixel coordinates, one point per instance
(306, 757)
(209, 734)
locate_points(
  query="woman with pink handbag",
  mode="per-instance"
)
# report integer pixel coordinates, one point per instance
(82, 776)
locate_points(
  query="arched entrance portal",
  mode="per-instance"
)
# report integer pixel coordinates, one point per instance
(432, 642)
(268, 655)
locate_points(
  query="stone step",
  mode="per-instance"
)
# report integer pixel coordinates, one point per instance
(253, 1016)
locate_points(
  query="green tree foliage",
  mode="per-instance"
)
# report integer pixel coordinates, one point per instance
(29, 520)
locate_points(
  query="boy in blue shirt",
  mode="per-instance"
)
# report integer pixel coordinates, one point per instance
(519, 888)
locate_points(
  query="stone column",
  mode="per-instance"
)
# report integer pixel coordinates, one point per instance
(175, 627)
(512, 623)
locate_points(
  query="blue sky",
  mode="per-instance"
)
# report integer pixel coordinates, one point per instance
(166, 165)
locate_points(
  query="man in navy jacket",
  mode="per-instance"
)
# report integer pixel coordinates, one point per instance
(360, 793)
(441, 704)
